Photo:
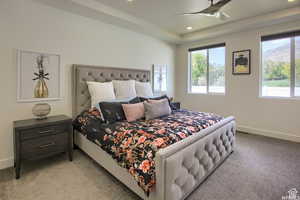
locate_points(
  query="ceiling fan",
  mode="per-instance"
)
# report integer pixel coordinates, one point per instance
(213, 11)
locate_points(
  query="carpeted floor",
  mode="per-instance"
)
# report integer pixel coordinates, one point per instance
(259, 169)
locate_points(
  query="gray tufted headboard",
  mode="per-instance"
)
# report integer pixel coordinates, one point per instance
(83, 73)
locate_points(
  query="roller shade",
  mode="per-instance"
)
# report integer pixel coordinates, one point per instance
(207, 47)
(280, 35)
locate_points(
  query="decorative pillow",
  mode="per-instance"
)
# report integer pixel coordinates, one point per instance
(124, 89)
(100, 92)
(155, 101)
(158, 109)
(113, 111)
(143, 89)
(134, 112)
(155, 98)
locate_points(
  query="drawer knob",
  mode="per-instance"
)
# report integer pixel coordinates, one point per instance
(47, 145)
(48, 131)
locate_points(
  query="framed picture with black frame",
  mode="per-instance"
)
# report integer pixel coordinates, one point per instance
(241, 62)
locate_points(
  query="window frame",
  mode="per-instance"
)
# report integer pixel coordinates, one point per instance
(285, 35)
(189, 88)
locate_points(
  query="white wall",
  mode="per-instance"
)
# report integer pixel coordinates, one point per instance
(32, 26)
(271, 117)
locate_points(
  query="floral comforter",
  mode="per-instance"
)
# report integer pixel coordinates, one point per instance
(133, 145)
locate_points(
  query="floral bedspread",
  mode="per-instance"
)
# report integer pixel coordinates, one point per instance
(133, 145)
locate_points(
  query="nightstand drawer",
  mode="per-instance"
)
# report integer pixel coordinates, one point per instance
(42, 131)
(44, 146)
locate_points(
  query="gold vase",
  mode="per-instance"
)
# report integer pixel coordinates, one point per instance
(41, 89)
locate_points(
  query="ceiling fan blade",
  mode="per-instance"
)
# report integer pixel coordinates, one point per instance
(220, 4)
(192, 13)
(207, 15)
(207, 12)
(211, 10)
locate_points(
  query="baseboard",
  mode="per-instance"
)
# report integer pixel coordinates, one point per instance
(268, 133)
(6, 163)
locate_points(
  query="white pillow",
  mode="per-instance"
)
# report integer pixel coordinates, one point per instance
(143, 89)
(100, 92)
(124, 89)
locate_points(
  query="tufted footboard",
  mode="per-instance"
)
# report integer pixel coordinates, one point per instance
(181, 168)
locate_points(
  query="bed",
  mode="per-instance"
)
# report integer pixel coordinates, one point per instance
(180, 167)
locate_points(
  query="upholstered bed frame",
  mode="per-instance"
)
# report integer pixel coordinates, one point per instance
(181, 167)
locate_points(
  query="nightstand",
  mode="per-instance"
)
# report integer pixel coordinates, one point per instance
(175, 105)
(35, 139)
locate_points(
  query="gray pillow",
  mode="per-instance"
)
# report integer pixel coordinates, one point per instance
(157, 109)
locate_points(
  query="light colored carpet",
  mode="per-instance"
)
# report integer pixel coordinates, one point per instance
(259, 169)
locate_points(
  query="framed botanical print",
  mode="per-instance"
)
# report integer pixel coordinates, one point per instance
(241, 62)
(159, 78)
(39, 76)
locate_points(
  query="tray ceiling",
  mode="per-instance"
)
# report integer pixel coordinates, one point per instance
(166, 13)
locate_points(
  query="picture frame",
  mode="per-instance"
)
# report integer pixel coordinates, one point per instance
(241, 62)
(32, 77)
(159, 78)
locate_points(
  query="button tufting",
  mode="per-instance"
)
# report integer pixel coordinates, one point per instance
(201, 161)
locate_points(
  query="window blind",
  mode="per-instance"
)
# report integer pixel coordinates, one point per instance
(280, 35)
(207, 47)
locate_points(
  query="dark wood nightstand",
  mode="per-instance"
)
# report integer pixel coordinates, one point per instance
(35, 139)
(175, 105)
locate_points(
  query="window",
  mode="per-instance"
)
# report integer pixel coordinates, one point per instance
(281, 65)
(207, 69)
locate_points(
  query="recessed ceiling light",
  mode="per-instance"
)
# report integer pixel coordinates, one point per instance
(291, 0)
(130, 1)
(189, 28)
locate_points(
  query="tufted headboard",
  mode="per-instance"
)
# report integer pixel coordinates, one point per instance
(82, 73)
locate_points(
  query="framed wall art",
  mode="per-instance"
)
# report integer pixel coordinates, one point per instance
(39, 76)
(241, 62)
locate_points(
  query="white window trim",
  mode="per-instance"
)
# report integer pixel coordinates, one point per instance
(189, 85)
(293, 77)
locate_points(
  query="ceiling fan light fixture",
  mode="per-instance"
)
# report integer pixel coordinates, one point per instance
(222, 16)
(212, 10)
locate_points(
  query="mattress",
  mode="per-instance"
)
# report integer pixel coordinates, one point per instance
(134, 145)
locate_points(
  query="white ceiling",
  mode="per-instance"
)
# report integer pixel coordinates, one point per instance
(166, 13)
(163, 18)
